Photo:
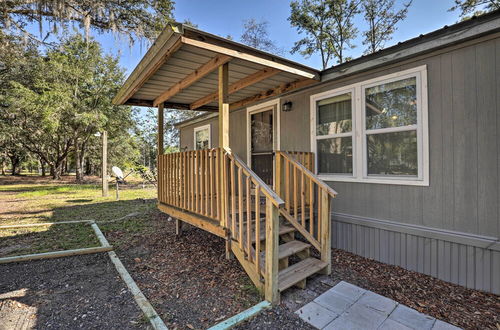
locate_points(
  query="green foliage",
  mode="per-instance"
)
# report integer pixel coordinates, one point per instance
(255, 34)
(56, 102)
(327, 25)
(381, 18)
(131, 18)
(475, 7)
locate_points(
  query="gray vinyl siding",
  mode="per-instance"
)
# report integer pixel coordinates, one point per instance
(463, 106)
(461, 203)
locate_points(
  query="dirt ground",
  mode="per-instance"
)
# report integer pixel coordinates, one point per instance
(187, 279)
(79, 292)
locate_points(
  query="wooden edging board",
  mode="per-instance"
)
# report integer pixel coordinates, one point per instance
(54, 254)
(243, 316)
(139, 297)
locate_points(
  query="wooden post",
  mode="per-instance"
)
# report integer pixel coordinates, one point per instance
(272, 229)
(104, 164)
(325, 239)
(277, 179)
(224, 143)
(160, 129)
(178, 227)
(223, 106)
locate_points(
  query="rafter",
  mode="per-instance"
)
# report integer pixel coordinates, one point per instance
(283, 88)
(240, 84)
(194, 76)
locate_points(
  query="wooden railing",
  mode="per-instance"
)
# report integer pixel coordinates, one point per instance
(190, 180)
(307, 200)
(253, 219)
(218, 185)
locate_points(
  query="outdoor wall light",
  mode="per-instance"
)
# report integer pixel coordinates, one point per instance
(287, 106)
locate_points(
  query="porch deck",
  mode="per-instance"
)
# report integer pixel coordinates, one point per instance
(214, 190)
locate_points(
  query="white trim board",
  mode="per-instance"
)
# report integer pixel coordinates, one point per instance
(269, 105)
(201, 128)
(359, 131)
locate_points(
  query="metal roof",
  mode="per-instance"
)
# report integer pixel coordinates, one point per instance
(180, 70)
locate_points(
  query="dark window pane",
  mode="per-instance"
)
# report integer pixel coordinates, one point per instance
(335, 155)
(262, 131)
(202, 139)
(391, 105)
(262, 165)
(334, 115)
(393, 153)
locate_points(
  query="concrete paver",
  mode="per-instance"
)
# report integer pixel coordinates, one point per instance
(346, 306)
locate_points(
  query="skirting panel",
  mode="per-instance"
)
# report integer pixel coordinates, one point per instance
(474, 265)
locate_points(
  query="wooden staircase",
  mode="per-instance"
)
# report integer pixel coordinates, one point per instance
(272, 232)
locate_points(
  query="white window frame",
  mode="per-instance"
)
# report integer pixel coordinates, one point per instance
(202, 128)
(360, 158)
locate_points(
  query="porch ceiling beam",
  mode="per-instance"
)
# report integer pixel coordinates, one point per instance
(193, 77)
(240, 84)
(169, 105)
(241, 54)
(146, 70)
(283, 88)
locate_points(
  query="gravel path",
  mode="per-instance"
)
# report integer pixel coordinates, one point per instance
(80, 292)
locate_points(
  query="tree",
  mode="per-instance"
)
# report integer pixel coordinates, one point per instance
(127, 17)
(328, 25)
(255, 34)
(57, 102)
(381, 18)
(475, 7)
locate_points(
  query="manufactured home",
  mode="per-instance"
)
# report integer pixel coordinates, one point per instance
(393, 156)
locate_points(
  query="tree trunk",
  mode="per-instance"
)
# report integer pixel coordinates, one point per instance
(78, 163)
(55, 171)
(2, 165)
(42, 165)
(14, 160)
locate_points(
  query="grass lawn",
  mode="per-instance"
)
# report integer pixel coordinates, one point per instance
(187, 279)
(35, 200)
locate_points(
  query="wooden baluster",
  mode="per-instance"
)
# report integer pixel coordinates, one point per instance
(211, 182)
(233, 200)
(197, 181)
(287, 185)
(249, 219)
(279, 169)
(206, 183)
(295, 192)
(319, 215)
(271, 274)
(303, 198)
(311, 205)
(240, 206)
(218, 170)
(185, 176)
(226, 189)
(192, 176)
(169, 179)
(202, 182)
(257, 229)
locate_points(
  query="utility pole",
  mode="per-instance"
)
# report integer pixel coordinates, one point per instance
(104, 164)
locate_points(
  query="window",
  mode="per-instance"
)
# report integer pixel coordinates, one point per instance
(373, 131)
(202, 137)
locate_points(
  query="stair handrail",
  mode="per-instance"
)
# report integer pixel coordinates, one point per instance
(266, 190)
(310, 174)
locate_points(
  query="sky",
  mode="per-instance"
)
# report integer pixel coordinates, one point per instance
(223, 17)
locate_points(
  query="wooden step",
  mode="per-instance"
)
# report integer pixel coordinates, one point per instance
(298, 272)
(283, 230)
(290, 248)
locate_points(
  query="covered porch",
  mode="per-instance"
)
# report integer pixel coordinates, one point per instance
(214, 189)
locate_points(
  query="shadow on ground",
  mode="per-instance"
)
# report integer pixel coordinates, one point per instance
(66, 293)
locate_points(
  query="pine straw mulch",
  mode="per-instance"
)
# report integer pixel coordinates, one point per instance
(187, 279)
(466, 308)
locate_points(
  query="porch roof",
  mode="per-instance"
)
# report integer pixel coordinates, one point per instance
(180, 70)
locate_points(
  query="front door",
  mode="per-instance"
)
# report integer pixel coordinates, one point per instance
(262, 140)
